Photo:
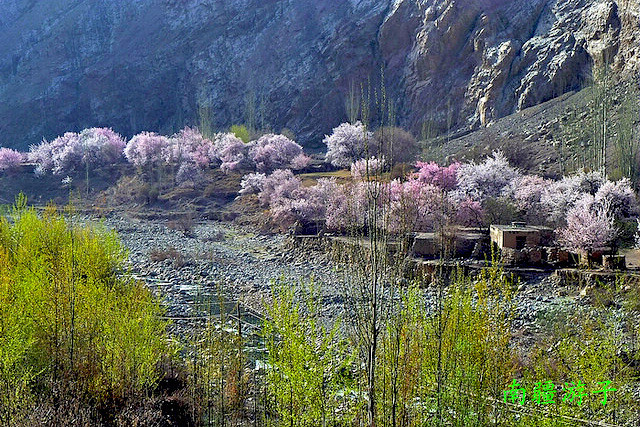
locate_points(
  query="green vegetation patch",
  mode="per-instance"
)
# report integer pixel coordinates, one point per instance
(70, 326)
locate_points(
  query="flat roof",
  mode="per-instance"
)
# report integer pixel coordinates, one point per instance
(518, 228)
(458, 235)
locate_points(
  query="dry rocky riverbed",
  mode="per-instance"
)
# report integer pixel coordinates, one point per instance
(177, 265)
(219, 254)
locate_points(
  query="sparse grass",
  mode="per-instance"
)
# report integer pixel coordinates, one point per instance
(183, 223)
(171, 253)
(310, 179)
(216, 236)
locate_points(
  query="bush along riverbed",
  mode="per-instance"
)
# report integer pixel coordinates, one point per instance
(82, 343)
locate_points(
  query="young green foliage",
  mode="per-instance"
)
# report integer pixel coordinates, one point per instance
(309, 365)
(68, 321)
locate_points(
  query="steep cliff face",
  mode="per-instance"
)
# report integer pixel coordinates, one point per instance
(471, 62)
(151, 64)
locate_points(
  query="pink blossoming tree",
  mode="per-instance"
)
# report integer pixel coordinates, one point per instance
(484, 180)
(10, 159)
(348, 207)
(189, 146)
(62, 155)
(271, 152)
(147, 149)
(468, 213)
(620, 198)
(231, 152)
(444, 177)
(289, 202)
(252, 183)
(346, 144)
(526, 192)
(101, 146)
(67, 153)
(590, 226)
(415, 206)
(366, 168)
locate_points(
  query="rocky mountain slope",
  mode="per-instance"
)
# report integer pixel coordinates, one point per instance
(160, 64)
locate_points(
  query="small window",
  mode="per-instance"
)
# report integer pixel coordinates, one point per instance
(521, 242)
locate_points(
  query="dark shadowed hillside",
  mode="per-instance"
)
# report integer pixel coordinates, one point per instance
(153, 64)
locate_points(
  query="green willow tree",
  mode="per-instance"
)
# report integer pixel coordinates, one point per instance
(70, 325)
(309, 363)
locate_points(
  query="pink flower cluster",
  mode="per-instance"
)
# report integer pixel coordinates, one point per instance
(147, 149)
(416, 206)
(479, 181)
(559, 197)
(349, 205)
(412, 205)
(590, 225)
(289, 202)
(346, 144)
(10, 159)
(188, 151)
(231, 152)
(367, 168)
(619, 197)
(444, 177)
(436, 196)
(189, 147)
(271, 152)
(268, 153)
(101, 146)
(68, 152)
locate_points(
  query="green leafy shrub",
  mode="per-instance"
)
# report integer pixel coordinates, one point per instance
(69, 323)
(449, 363)
(241, 132)
(309, 365)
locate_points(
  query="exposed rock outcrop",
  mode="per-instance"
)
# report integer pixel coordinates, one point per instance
(475, 61)
(151, 64)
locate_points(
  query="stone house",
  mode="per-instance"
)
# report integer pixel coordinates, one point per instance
(518, 235)
(520, 243)
(460, 243)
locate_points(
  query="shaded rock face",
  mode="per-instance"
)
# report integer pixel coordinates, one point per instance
(152, 64)
(471, 62)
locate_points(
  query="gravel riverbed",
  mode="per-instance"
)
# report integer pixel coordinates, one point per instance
(244, 262)
(214, 254)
